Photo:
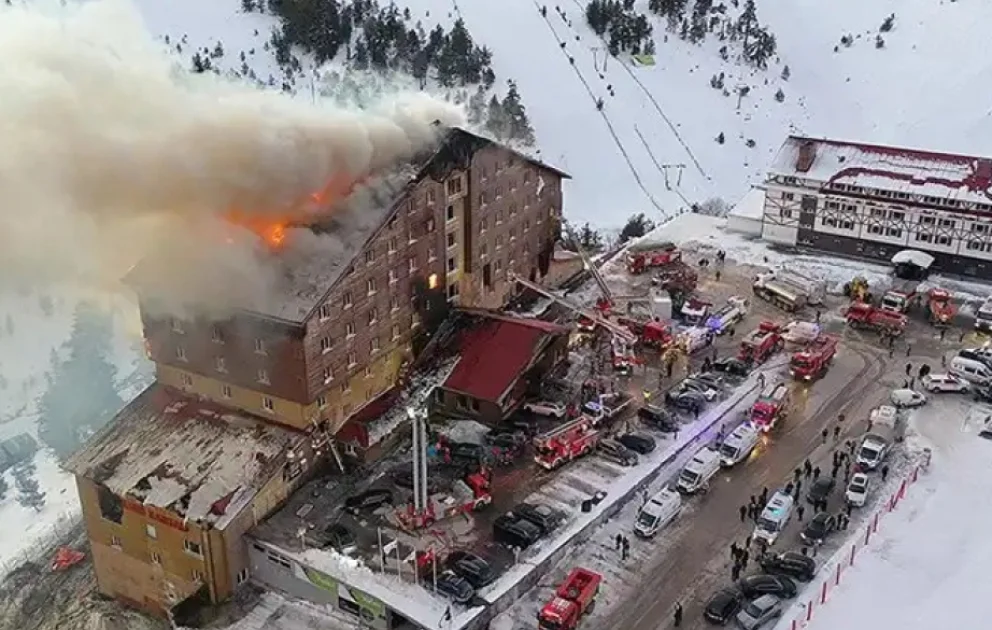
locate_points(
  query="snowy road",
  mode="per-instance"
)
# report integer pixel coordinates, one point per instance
(696, 561)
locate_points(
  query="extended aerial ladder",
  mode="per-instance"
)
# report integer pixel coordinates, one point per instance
(609, 301)
(618, 330)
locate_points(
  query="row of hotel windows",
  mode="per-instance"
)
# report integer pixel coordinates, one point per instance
(189, 547)
(923, 237)
(885, 194)
(885, 214)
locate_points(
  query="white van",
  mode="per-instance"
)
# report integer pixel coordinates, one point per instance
(659, 511)
(697, 473)
(774, 517)
(739, 444)
(970, 370)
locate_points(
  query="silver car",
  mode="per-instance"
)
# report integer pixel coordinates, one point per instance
(759, 612)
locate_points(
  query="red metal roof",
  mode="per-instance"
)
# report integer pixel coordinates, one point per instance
(495, 353)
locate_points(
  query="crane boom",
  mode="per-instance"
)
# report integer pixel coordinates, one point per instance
(616, 329)
(588, 264)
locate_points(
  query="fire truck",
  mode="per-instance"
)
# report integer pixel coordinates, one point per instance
(940, 307)
(868, 317)
(901, 296)
(761, 343)
(573, 598)
(813, 361)
(566, 442)
(772, 404)
(653, 334)
(467, 495)
(644, 256)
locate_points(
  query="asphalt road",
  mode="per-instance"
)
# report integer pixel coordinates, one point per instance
(699, 561)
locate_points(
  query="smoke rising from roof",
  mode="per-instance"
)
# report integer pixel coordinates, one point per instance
(111, 151)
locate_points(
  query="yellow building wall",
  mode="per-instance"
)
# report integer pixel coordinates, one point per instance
(132, 564)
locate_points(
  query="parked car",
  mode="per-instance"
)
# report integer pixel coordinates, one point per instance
(857, 490)
(759, 612)
(506, 439)
(818, 528)
(617, 452)
(982, 355)
(455, 587)
(597, 409)
(340, 538)
(821, 489)
(789, 563)
(514, 531)
(368, 500)
(473, 568)
(659, 418)
(468, 452)
(986, 430)
(712, 379)
(723, 605)
(638, 442)
(904, 398)
(983, 393)
(546, 408)
(546, 518)
(765, 584)
(690, 402)
(403, 478)
(731, 366)
(703, 388)
(940, 383)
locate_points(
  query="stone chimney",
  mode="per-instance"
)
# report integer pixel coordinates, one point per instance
(807, 154)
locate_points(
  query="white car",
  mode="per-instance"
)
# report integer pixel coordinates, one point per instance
(596, 409)
(857, 490)
(903, 398)
(944, 383)
(546, 408)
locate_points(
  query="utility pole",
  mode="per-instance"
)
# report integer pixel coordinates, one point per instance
(595, 57)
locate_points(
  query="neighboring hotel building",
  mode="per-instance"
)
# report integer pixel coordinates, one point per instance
(242, 408)
(873, 201)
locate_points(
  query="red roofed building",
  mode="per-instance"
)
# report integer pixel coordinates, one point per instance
(873, 201)
(498, 357)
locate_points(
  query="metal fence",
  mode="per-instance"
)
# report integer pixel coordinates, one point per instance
(41, 547)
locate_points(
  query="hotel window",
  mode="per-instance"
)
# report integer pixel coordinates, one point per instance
(346, 300)
(260, 346)
(370, 286)
(787, 196)
(349, 329)
(368, 372)
(396, 331)
(268, 404)
(431, 196)
(197, 576)
(412, 263)
(451, 239)
(449, 213)
(454, 186)
(374, 345)
(115, 542)
(177, 326)
(192, 548)
(369, 256)
(221, 364)
(216, 334)
(321, 402)
(452, 264)
(150, 531)
(225, 391)
(393, 243)
(181, 353)
(394, 304)
(325, 345)
(328, 375)
(263, 376)
(352, 359)
(373, 315)
(392, 276)
(187, 380)
(325, 312)
(156, 558)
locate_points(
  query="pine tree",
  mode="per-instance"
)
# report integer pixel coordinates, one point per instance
(590, 239)
(518, 127)
(477, 106)
(747, 21)
(4, 487)
(786, 73)
(780, 95)
(81, 395)
(496, 121)
(29, 494)
(637, 225)
(888, 23)
(247, 6)
(198, 66)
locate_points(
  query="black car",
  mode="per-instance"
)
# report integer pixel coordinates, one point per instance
(821, 489)
(368, 500)
(731, 366)
(474, 569)
(468, 453)
(403, 478)
(659, 418)
(712, 379)
(455, 587)
(637, 442)
(724, 604)
(983, 393)
(541, 515)
(979, 357)
(515, 531)
(818, 528)
(691, 402)
(789, 563)
(754, 586)
(340, 538)
(506, 439)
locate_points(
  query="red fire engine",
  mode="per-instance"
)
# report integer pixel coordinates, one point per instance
(564, 443)
(940, 307)
(761, 343)
(468, 495)
(772, 404)
(653, 334)
(641, 258)
(573, 598)
(868, 317)
(813, 361)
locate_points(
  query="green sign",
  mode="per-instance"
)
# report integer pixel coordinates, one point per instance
(369, 603)
(321, 580)
(371, 607)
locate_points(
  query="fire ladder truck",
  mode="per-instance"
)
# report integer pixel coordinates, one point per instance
(607, 301)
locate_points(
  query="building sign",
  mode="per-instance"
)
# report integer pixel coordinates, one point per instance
(350, 600)
(156, 514)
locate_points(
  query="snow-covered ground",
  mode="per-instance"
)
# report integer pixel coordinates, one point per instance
(39, 331)
(933, 551)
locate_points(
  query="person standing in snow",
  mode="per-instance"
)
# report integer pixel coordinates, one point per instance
(677, 616)
(885, 472)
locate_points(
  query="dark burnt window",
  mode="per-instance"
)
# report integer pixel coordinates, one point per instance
(111, 507)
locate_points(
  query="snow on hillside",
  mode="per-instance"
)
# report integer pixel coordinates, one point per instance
(929, 555)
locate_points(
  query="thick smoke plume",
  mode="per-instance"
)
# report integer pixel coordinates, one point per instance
(111, 151)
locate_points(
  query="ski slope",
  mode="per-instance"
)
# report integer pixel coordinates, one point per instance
(929, 563)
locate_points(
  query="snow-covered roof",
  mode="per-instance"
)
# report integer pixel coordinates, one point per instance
(172, 451)
(751, 205)
(913, 256)
(961, 178)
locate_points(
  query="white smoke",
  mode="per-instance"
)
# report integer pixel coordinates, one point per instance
(109, 150)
